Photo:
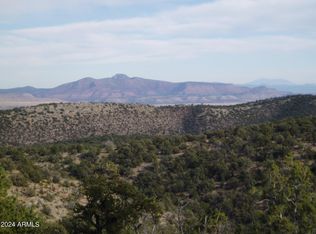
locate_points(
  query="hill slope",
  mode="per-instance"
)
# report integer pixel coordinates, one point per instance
(234, 181)
(58, 122)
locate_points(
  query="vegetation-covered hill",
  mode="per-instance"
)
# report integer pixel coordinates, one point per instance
(251, 179)
(59, 122)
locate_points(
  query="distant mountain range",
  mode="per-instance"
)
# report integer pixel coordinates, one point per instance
(123, 89)
(284, 85)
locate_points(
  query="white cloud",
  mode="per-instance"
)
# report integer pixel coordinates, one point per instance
(215, 18)
(111, 49)
(222, 26)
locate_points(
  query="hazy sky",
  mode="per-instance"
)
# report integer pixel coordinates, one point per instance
(44, 43)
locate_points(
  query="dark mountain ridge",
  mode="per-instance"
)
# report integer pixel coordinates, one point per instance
(67, 121)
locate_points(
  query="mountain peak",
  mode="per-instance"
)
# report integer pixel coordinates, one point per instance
(120, 76)
(122, 88)
(87, 78)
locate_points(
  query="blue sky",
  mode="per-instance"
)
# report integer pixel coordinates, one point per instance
(44, 43)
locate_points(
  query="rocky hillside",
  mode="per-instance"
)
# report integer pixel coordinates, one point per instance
(123, 89)
(58, 122)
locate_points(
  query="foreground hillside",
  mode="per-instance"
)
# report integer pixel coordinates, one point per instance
(59, 122)
(253, 179)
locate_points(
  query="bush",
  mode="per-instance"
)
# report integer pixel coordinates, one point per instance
(30, 192)
(56, 179)
(53, 228)
(7, 164)
(18, 180)
(49, 197)
(46, 210)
